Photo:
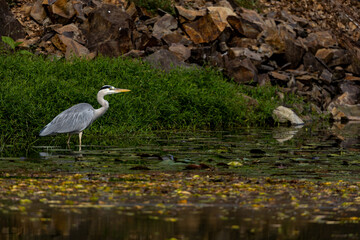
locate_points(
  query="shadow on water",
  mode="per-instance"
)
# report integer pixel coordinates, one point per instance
(280, 183)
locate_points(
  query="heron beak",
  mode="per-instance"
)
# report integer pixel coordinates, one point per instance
(118, 90)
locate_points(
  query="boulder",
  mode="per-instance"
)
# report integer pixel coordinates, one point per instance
(294, 52)
(164, 26)
(325, 54)
(110, 31)
(69, 46)
(165, 60)
(244, 53)
(38, 12)
(317, 40)
(71, 31)
(9, 26)
(244, 27)
(180, 50)
(253, 17)
(60, 11)
(189, 14)
(206, 29)
(176, 36)
(280, 38)
(352, 89)
(222, 12)
(242, 71)
(283, 114)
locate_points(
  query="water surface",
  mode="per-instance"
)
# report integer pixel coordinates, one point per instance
(278, 183)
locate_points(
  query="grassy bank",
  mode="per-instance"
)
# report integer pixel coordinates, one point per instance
(34, 90)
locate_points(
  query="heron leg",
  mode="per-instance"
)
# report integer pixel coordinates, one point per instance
(80, 135)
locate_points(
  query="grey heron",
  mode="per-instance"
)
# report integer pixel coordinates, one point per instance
(80, 116)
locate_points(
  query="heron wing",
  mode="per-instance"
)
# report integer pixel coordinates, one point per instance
(72, 120)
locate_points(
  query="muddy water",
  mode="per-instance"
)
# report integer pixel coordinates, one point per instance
(319, 155)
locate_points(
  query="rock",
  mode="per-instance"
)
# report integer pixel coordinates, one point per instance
(332, 108)
(351, 112)
(263, 79)
(131, 10)
(340, 57)
(325, 54)
(206, 29)
(38, 12)
(242, 42)
(311, 64)
(326, 76)
(71, 31)
(253, 17)
(181, 51)
(318, 40)
(266, 50)
(134, 54)
(164, 60)
(283, 114)
(60, 11)
(244, 53)
(118, 3)
(69, 46)
(201, 54)
(242, 71)
(109, 32)
(176, 36)
(353, 91)
(222, 12)
(294, 52)
(9, 26)
(336, 114)
(189, 14)
(164, 26)
(244, 27)
(350, 77)
(338, 73)
(280, 76)
(279, 38)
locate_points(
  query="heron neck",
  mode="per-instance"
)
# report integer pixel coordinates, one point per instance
(104, 105)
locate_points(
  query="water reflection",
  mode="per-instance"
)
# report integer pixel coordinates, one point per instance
(216, 223)
(348, 134)
(283, 134)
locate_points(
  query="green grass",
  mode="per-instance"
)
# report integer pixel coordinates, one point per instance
(34, 90)
(154, 5)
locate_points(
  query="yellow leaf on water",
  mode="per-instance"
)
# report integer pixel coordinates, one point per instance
(235, 164)
(182, 201)
(170, 219)
(25, 201)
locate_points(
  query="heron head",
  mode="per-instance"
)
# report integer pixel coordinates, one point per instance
(108, 89)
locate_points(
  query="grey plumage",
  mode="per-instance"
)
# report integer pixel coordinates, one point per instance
(79, 117)
(72, 120)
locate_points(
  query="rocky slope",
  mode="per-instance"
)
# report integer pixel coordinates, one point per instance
(307, 47)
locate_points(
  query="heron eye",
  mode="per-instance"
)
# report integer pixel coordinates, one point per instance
(112, 88)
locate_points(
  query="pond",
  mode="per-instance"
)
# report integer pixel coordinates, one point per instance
(253, 183)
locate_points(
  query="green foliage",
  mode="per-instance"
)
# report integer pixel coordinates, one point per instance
(154, 5)
(249, 4)
(34, 90)
(10, 43)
